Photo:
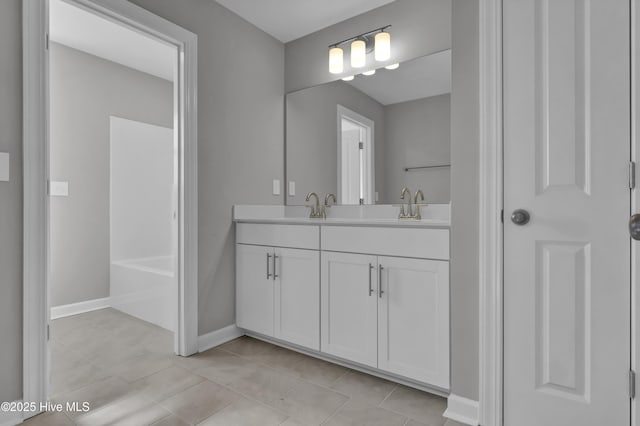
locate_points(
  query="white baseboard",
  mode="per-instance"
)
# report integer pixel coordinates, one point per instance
(8, 418)
(79, 308)
(462, 410)
(218, 337)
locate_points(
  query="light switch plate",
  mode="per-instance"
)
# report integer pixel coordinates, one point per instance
(58, 189)
(292, 188)
(4, 167)
(276, 187)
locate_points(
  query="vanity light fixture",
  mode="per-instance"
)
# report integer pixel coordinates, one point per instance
(378, 40)
(383, 46)
(393, 66)
(349, 78)
(336, 64)
(370, 72)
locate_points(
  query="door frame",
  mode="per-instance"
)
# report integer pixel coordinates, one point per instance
(491, 205)
(36, 173)
(489, 221)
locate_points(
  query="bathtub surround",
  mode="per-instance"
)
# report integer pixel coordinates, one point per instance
(80, 155)
(143, 231)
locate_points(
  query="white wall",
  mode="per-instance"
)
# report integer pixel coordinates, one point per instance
(142, 190)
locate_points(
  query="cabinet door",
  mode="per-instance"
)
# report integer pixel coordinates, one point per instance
(254, 290)
(297, 297)
(349, 307)
(413, 314)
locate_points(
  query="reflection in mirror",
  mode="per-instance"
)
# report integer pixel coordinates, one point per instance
(366, 139)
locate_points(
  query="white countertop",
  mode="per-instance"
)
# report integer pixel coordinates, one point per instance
(433, 216)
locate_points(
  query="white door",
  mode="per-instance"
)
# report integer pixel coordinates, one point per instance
(349, 307)
(297, 297)
(254, 288)
(413, 319)
(350, 162)
(566, 154)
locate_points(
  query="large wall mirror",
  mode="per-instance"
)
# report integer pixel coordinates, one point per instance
(365, 139)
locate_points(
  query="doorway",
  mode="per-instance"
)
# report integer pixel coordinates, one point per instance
(355, 160)
(38, 180)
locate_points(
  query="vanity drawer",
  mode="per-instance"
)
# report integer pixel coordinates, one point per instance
(294, 236)
(403, 242)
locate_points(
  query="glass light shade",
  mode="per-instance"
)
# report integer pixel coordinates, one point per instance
(358, 54)
(383, 46)
(393, 66)
(372, 72)
(349, 78)
(336, 65)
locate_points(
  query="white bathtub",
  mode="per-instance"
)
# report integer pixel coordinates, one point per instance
(147, 289)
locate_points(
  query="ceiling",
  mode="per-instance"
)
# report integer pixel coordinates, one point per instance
(415, 79)
(288, 20)
(82, 30)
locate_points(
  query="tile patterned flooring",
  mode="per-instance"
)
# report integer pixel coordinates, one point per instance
(126, 370)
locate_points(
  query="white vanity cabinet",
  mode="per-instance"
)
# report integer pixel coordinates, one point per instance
(374, 296)
(383, 308)
(278, 288)
(349, 303)
(413, 319)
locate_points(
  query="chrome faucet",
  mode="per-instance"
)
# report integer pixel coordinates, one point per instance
(327, 205)
(403, 214)
(316, 212)
(415, 201)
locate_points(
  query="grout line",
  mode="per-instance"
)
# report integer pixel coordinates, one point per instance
(335, 413)
(388, 395)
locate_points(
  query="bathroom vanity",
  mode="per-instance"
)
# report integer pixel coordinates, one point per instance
(361, 288)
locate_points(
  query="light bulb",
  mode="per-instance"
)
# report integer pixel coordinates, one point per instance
(393, 66)
(349, 78)
(371, 72)
(336, 65)
(358, 54)
(383, 46)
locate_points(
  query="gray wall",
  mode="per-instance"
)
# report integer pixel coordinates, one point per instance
(312, 146)
(465, 130)
(420, 27)
(241, 137)
(85, 91)
(417, 133)
(11, 201)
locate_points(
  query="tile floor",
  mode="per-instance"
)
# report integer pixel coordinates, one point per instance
(126, 370)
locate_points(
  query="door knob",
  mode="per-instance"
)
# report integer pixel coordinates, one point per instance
(634, 226)
(520, 217)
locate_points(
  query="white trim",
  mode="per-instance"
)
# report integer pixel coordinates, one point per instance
(35, 161)
(63, 311)
(635, 203)
(218, 337)
(35, 26)
(462, 410)
(490, 187)
(10, 418)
